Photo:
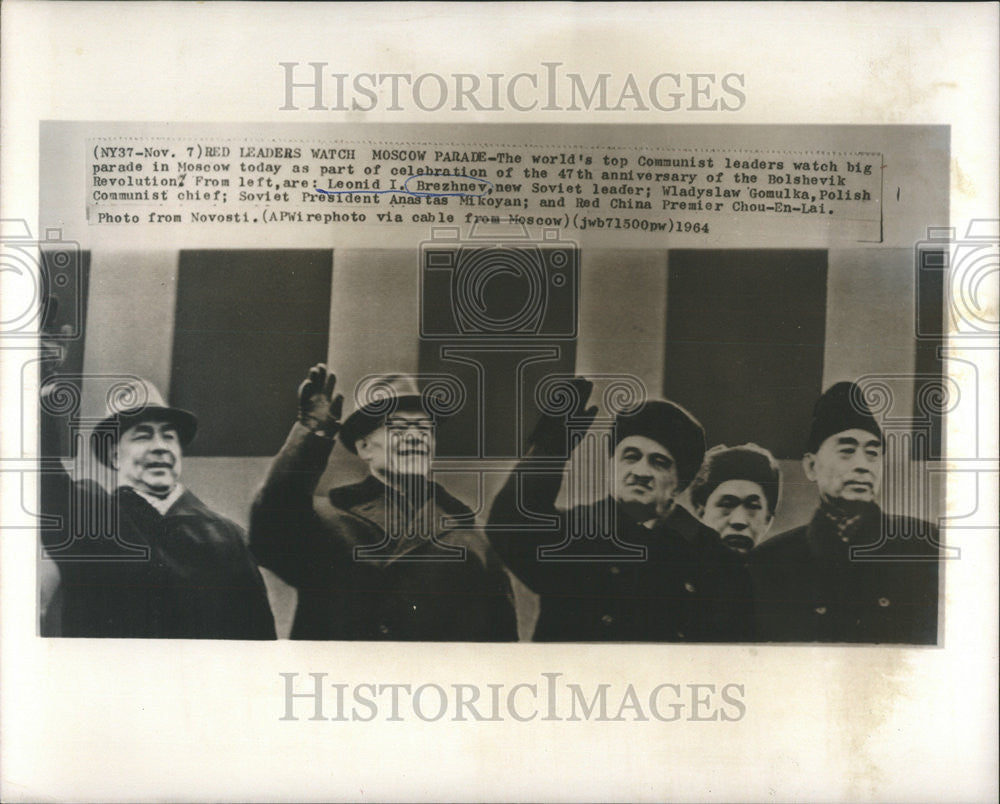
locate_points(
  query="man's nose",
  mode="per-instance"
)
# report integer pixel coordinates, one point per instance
(738, 518)
(641, 469)
(863, 464)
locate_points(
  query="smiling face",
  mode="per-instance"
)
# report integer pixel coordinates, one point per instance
(148, 458)
(847, 467)
(645, 478)
(738, 511)
(403, 446)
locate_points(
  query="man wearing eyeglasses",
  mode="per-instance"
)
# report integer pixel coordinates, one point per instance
(394, 557)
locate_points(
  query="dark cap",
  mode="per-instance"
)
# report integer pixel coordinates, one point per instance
(668, 424)
(842, 407)
(746, 462)
(380, 396)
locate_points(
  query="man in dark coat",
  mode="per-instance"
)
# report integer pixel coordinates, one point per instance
(169, 567)
(633, 566)
(854, 573)
(736, 494)
(394, 557)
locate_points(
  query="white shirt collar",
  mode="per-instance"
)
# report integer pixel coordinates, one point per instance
(162, 504)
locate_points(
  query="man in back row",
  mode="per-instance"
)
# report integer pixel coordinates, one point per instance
(736, 494)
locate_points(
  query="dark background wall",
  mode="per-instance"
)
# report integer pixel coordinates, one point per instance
(744, 344)
(246, 324)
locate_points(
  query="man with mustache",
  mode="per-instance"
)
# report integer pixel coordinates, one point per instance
(635, 566)
(394, 557)
(736, 494)
(854, 573)
(168, 566)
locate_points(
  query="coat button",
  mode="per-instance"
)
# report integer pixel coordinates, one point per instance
(607, 619)
(820, 609)
(689, 587)
(383, 629)
(615, 570)
(883, 602)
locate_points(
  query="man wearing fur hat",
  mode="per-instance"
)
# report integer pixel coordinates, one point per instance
(172, 568)
(636, 567)
(394, 557)
(854, 573)
(736, 494)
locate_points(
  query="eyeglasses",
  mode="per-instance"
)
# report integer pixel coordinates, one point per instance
(401, 424)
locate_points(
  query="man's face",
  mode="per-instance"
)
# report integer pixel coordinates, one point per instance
(148, 458)
(645, 477)
(404, 445)
(847, 467)
(738, 511)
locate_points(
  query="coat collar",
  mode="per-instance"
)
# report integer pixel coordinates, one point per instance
(682, 522)
(833, 530)
(162, 504)
(367, 500)
(679, 522)
(371, 492)
(187, 504)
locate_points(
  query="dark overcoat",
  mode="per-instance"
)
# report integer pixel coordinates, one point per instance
(685, 586)
(186, 574)
(442, 584)
(810, 588)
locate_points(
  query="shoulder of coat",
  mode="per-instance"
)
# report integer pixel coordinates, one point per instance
(910, 523)
(355, 494)
(916, 537)
(788, 540)
(190, 504)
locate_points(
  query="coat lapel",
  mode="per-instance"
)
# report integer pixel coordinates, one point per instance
(407, 531)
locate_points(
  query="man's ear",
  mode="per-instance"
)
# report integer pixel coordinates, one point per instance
(809, 466)
(363, 448)
(113, 457)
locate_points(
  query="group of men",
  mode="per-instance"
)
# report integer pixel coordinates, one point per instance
(397, 557)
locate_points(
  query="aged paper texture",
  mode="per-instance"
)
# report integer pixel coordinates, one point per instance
(510, 213)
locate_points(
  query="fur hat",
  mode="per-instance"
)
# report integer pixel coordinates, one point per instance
(745, 462)
(672, 426)
(842, 407)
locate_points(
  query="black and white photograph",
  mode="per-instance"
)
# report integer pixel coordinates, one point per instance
(502, 433)
(438, 414)
(738, 440)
